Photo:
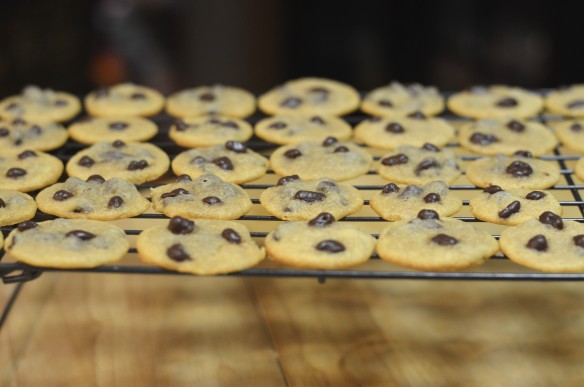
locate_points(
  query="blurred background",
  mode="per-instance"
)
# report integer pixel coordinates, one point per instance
(172, 44)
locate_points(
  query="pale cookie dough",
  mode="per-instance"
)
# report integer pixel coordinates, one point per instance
(568, 101)
(209, 130)
(40, 105)
(92, 130)
(21, 134)
(433, 244)
(395, 202)
(310, 96)
(28, 170)
(397, 99)
(294, 199)
(15, 207)
(67, 243)
(123, 100)
(315, 160)
(217, 99)
(571, 134)
(292, 129)
(495, 102)
(320, 243)
(206, 197)
(203, 246)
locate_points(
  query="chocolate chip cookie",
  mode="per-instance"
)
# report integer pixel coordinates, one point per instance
(40, 105)
(570, 133)
(15, 207)
(28, 170)
(292, 129)
(216, 99)
(124, 100)
(396, 99)
(22, 134)
(209, 130)
(91, 130)
(566, 101)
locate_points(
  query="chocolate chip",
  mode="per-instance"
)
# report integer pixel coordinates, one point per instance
(97, 178)
(576, 127)
(523, 153)
(576, 104)
(292, 153)
(394, 127)
(118, 144)
(61, 102)
(552, 219)
(2, 203)
(36, 130)
(215, 121)
(212, 200)
(507, 102)
(389, 188)
(511, 209)
(430, 147)
(309, 196)
(230, 124)
(223, 163)
(177, 253)
(118, 125)
(62, 195)
(428, 214)
(207, 97)
(535, 195)
(322, 220)
(86, 161)
(115, 202)
(538, 243)
(483, 139)
(385, 103)
(174, 193)
(417, 115)
(83, 235)
(135, 165)
(330, 246)
(79, 210)
(288, 179)
(4, 132)
(395, 160)
(102, 93)
(18, 142)
(516, 126)
(329, 141)
(519, 169)
(278, 125)
(181, 226)
(181, 126)
(426, 164)
(23, 226)
(444, 240)
(18, 121)
(12, 106)
(291, 102)
(183, 177)
(235, 146)
(317, 120)
(138, 96)
(26, 154)
(492, 189)
(432, 198)
(15, 173)
(231, 236)
(579, 240)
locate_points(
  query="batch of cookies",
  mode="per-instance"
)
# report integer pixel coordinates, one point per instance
(316, 151)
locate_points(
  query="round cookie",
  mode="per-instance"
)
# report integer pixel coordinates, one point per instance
(28, 170)
(40, 105)
(292, 129)
(232, 162)
(202, 247)
(566, 101)
(217, 99)
(91, 130)
(395, 202)
(310, 96)
(411, 165)
(96, 199)
(433, 244)
(579, 169)
(391, 133)
(548, 244)
(295, 199)
(396, 99)
(313, 160)
(206, 197)
(320, 244)
(21, 134)
(123, 100)
(15, 207)
(135, 162)
(511, 172)
(209, 130)
(495, 102)
(67, 243)
(571, 134)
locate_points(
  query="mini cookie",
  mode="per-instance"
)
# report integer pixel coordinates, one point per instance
(511, 172)
(547, 243)
(127, 129)
(96, 199)
(330, 158)
(15, 207)
(320, 243)
(199, 247)
(67, 243)
(206, 197)
(396, 99)
(21, 134)
(40, 105)
(416, 130)
(430, 243)
(310, 96)
(567, 101)
(28, 170)
(571, 134)
(405, 202)
(495, 102)
(123, 100)
(285, 130)
(217, 99)
(411, 165)
(233, 162)
(579, 169)
(209, 130)
(294, 199)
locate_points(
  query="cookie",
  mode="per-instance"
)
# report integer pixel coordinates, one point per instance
(295, 199)
(547, 243)
(233, 162)
(395, 202)
(315, 160)
(128, 129)
(511, 172)
(40, 105)
(15, 207)
(579, 169)
(566, 101)
(292, 129)
(28, 170)
(320, 243)
(135, 162)
(202, 246)
(209, 130)
(396, 99)
(67, 243)
(124, 100)
(206, 197)
(21, 134)
(96, 199)
(391, 133)
(495, 102)
(310, 96)
(430, 243)
(217, 99)
(571, 134)
(412, 165)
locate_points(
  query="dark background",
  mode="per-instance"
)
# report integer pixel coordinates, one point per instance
(79, 45)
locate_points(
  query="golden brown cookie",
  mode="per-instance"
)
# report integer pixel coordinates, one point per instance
(21, 134)
(124, 100)
(293, 129)
(396, 99)
(570, 133)
(566, 101)
(91, 130)
(28, 170)
(15, 207)
(40, 105)
(495, 102)
(209, 130)
(216, 99)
